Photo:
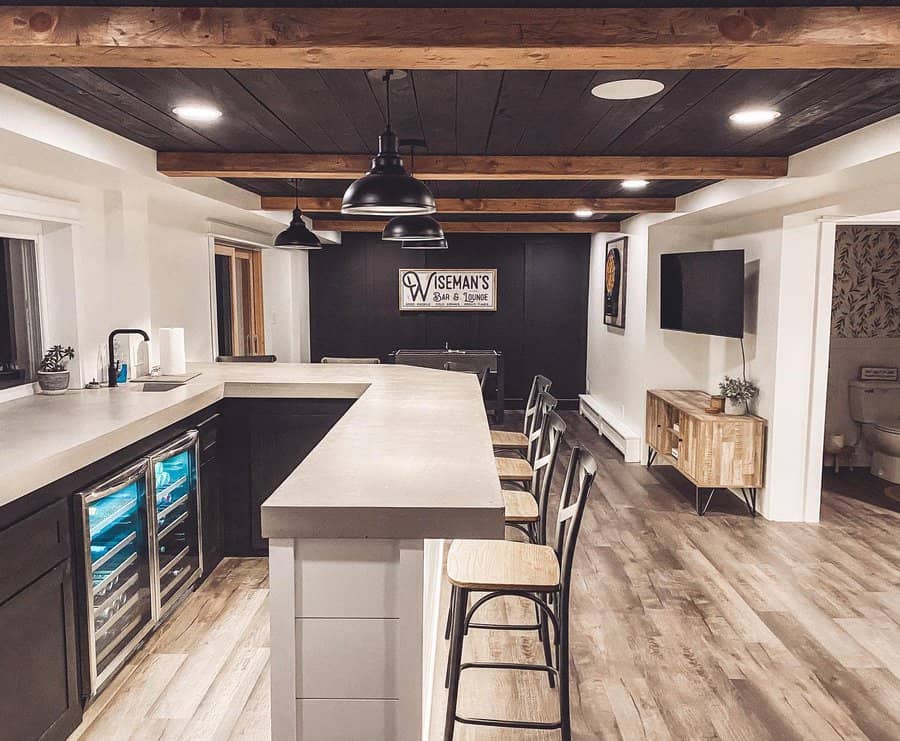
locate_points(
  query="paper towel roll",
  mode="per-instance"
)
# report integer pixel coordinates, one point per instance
(171, 351)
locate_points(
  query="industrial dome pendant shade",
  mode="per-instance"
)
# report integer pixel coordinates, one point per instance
(297, 236)
(413, 227)
(387, 189)
(421, 244)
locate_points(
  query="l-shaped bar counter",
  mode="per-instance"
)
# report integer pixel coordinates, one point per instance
(355, 531)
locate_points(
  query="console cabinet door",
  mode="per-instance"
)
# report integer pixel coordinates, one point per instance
(38, 683)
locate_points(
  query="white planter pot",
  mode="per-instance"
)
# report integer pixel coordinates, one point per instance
(53, 383)
(735, 407)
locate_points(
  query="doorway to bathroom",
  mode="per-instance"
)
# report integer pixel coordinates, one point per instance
(862, 413)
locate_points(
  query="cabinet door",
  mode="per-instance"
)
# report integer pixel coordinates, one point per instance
(279, 441)
(211, 511)
(654, 431)
(38, 685)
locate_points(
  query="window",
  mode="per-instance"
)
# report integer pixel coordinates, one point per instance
(239, 301)
(20, 323)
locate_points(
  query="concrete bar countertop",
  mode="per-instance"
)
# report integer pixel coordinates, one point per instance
(411, 458)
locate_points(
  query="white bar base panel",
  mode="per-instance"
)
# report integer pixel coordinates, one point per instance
(354, 629)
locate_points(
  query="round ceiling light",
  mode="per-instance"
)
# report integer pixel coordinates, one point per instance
(412, 228)
(583, 213)
(627, 89)
(197, 113)
(635, 184)
(754, 116)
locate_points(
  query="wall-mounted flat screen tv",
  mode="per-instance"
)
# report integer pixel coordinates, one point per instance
(703, 292)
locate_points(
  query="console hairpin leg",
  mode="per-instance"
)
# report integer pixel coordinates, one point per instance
(651, 456)
(702, 510)
(750, 500)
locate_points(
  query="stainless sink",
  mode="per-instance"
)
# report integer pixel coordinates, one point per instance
(154, 386)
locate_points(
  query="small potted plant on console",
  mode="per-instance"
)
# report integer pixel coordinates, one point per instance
(53, 374)
(737, 393)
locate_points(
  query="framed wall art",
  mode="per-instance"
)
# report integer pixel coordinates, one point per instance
(614, 285)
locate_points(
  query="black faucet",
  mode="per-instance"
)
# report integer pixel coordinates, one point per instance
(113, 371)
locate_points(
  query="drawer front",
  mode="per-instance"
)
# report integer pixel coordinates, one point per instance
(33, 546)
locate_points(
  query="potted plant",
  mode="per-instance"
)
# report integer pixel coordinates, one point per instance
(53, 375)
(737, 393)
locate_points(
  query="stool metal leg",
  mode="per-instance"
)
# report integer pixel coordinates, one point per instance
(455, 660)
(562, 659)
(449, 613)
(544, 631)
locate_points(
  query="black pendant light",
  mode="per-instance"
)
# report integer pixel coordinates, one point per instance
(297, 236)
(413, 227)
(387, 189)
(422, 244)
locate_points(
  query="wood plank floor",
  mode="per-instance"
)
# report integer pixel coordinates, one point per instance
(683, 628)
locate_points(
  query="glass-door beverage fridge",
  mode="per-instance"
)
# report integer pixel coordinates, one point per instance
(176, 559)
(141, 536)
(118, 569)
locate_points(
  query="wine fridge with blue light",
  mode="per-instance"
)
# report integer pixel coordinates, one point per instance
(142, 547)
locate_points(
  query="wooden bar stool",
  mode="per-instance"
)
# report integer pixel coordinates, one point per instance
(527, 510)
(520, 471)
(538, 573)
(518, 441)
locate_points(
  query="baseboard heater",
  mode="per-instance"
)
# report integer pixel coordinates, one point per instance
(611, 426)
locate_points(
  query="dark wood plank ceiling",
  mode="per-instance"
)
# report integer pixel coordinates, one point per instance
(475, 3)
(471, 112)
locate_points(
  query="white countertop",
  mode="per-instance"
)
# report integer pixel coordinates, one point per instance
(411, 458)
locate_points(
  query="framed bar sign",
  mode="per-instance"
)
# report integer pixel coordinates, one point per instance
(448, 290)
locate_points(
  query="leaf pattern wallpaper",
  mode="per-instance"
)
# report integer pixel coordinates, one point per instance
(866, 297)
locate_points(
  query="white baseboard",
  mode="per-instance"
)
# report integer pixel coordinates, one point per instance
(611, 426)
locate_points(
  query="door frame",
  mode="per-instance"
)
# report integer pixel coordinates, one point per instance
(237, 251)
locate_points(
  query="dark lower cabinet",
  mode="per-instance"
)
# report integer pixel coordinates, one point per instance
(38, 682)
(264, 441)
(211, 492)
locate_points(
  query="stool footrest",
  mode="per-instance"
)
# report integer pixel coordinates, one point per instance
(534, 725)
(504, 626)
(509, 665)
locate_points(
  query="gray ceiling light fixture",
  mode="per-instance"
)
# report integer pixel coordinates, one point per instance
(297, 236)
(413, 227)
(387, 189)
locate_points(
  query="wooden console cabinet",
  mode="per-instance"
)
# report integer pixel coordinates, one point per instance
(713, 451)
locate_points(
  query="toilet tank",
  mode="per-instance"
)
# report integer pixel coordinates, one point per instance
(871, 401)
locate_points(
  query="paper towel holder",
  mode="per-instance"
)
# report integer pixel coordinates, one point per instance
(113, 363)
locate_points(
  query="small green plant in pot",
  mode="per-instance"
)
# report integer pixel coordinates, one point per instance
(53, 374)
(737, 394)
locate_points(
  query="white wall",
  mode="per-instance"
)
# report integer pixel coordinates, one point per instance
(786, 228)
(121, 245)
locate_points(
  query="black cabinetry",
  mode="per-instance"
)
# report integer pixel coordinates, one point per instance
(39, 696)
(265, 440)
(211, 481)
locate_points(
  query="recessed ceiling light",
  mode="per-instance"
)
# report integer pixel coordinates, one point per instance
(583, 213)
(200, 113)
(754, 116)
(627, 89)
(635, 184)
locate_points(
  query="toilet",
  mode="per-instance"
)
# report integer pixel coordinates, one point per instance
(875, 405)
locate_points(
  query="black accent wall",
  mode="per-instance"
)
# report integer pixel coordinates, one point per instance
(540, 325)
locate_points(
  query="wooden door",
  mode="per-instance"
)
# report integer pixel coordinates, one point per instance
(239, 298)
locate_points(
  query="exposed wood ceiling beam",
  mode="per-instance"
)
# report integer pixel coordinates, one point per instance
(466, 167)
(315, 204)
(451, 38)
(490, 227)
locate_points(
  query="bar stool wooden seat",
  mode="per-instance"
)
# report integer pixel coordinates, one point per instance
(518, 441)
(521, 470)
(527, 510)
(538, 573)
